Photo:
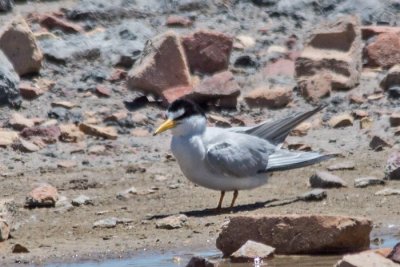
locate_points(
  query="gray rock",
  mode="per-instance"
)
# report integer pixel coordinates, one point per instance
(313, 195)
(323, 179)
(346, 165)
(367, 181)
(251, 250)
(9, 80)
(392, 168)
(4, 230)
(172, 222)
(388, 192)
(82, 200)
(106, 223)
(128, 193)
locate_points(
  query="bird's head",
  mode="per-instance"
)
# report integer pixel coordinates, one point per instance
(184, 117)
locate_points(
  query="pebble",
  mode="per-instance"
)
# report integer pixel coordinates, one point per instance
(18, 248)
(367, 181)
(314, 195)
(106, 223)
(251, 250)
(128, 193)
(323, 179)
(346, 165)
(172, 222)
(388, 192)
(82, 200)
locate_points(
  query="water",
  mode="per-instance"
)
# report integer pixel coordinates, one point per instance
(383, 238)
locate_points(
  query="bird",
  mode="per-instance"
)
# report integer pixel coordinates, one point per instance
(236, 158)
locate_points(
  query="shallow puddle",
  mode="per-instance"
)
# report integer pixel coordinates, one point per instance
(383, 238)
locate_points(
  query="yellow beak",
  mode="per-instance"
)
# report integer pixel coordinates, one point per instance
(166, 125)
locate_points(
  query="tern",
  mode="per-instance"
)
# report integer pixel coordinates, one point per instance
(232, 159)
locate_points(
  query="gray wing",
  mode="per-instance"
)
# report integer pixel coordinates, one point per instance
(238, 155)
(276, 131)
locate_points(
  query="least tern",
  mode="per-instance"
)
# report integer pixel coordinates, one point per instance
(232, 159)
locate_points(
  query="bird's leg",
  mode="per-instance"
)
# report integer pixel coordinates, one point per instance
(235, 195)
(220, 200)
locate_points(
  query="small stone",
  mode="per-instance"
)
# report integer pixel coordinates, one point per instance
(378, 143)
(117, 116)
(394, 120)
(70, 133)
(172, 222)
(251, 250)
(117, 75)
(178, 21)
(128, 193)
(365, 259)
(367, 181)
(28, 91)
(103, 91)
(392, 168)
(48, 134)
(66, 164)
(346, 165)
(52, 22)
(357, 99)
(388, 192)
(18, 248)
(207, 51)
(301, 129)
(323, 179)
(97, 150)
(395, 253)
(342, 120)
(313, 195)
(271, 98)
(375, 96)
(19, 44)
(8, 137)
(25, 146)
(63, 104)
(106, 223)
(244, 42)
(104, 132)
(4, 230)
(316, 87)
(44, 195)
(82, 200)
(358, 113)
(366, 123)
(19, 122)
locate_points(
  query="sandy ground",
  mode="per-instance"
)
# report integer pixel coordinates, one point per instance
(57, 235)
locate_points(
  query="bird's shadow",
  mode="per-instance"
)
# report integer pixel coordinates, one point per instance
(239, 208)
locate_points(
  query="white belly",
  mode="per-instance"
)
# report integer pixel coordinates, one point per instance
(190, 155)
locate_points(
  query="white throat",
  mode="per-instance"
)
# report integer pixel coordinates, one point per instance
(193, 125)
